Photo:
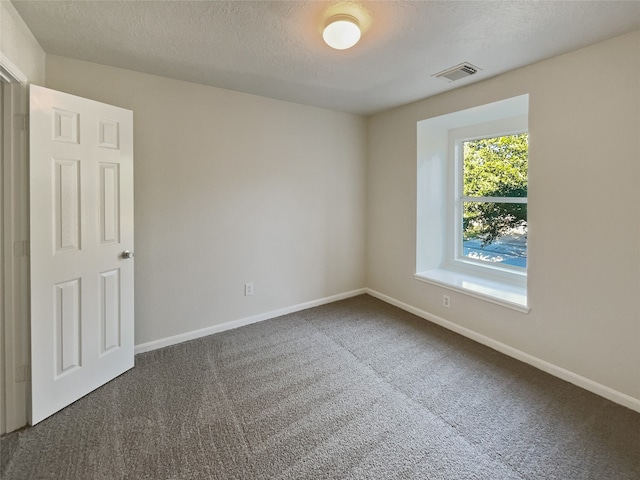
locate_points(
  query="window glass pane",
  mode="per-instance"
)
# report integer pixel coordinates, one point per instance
(496, 167)
(495, 232)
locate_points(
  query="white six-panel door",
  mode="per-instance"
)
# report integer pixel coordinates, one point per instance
(81, 194)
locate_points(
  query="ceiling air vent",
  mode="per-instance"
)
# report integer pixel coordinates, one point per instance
(456, 73)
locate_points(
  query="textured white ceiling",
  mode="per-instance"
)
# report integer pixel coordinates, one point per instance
(275, 48)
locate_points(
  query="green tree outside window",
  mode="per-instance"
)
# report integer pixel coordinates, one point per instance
(494, 167)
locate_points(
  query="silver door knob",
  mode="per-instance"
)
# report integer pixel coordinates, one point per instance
(127, 254)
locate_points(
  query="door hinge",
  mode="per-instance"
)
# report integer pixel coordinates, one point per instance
(23, 374)
(20, 248)
(21, 121)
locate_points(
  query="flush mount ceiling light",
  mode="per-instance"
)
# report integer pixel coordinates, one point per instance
(341, 32)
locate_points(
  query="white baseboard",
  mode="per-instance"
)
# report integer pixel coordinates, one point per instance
(556, 371)
(183, 337)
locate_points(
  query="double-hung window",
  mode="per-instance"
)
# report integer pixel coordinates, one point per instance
(490, 210)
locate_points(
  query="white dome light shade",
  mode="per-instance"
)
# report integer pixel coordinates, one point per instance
(341, 32)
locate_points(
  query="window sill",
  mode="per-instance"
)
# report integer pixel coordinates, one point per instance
(500, 293)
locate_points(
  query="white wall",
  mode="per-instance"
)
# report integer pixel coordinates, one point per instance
(231, 188)
(19, 46)
(584, 215)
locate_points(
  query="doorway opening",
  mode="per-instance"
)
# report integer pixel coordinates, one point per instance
(14, 261)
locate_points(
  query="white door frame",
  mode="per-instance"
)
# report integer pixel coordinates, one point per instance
(14, 325)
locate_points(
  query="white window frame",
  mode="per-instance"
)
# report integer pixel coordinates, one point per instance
(455, 259)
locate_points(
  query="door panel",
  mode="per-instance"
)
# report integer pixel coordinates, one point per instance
(81, 192)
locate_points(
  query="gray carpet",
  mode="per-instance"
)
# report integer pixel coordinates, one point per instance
(357, 389)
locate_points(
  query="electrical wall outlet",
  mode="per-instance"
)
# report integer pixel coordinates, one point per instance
(248, 289)
(446, 301)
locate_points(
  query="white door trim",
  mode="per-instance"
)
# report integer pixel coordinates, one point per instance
(9, 72)
(15, 272)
